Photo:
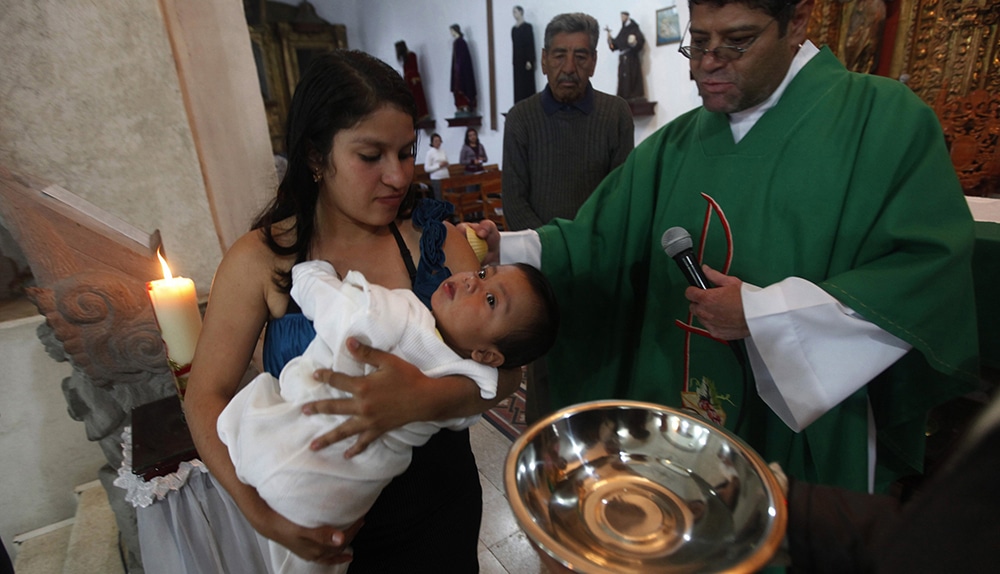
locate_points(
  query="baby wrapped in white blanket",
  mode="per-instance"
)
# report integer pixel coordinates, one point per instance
(268, 437)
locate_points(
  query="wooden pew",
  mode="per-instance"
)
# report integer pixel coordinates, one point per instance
(465, 193)
(492, 201)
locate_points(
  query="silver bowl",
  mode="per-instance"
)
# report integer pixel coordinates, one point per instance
(629, 487)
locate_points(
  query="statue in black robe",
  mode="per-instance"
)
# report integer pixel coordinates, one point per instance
(629, 42)
(522, 37)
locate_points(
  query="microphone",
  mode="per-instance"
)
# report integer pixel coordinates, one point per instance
(676, 241)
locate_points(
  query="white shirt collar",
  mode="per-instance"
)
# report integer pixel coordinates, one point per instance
(741, 122)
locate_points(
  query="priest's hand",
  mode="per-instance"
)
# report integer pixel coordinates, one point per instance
(487, 231)
(719, 309)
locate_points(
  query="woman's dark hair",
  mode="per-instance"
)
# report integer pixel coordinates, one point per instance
(467, 132)
(336, 92)
(531, 341)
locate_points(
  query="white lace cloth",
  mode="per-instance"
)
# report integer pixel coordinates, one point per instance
(194, 526)
(140, 493)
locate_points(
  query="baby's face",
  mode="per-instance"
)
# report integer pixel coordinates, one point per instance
(474, 309)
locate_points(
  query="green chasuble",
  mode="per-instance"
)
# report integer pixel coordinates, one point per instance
(847, 183)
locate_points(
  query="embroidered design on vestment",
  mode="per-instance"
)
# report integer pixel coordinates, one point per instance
(699, 393)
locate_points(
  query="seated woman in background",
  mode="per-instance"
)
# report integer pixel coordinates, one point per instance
(473, 155)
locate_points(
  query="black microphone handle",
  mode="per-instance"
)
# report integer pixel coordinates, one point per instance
(696, 277)
(691, 270)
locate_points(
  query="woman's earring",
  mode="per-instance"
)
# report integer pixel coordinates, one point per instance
(317, 176)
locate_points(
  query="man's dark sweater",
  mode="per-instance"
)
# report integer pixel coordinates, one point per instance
(555, 154)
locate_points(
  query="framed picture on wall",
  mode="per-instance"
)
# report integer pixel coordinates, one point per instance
(271, 76)
(301, 47)
(668, 26)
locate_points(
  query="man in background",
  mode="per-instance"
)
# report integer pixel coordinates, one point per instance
(561, 142)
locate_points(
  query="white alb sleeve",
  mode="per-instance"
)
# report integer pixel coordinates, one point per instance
(809, 351)
(521, 247)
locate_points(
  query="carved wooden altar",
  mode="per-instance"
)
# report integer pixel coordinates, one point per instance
(90, 270)
(952, 58)
(947, 51)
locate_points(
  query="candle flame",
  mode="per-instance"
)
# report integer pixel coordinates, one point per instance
(163, 263)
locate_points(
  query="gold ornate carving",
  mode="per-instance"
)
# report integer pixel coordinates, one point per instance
(972, 128)
(300, 45)
(948, 52)
(954, 48)
(284, 39)
(824, 25)
(952, 61)
(861, 34)
(271, 76)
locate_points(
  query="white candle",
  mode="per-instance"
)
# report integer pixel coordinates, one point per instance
(175, 305)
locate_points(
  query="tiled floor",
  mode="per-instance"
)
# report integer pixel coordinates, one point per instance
(503, 548)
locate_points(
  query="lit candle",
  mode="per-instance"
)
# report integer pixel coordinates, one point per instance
(175, 306)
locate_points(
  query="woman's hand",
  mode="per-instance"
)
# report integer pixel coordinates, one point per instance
(395, 394)
(323, 544)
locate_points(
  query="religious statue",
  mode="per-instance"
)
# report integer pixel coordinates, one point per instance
(864, 33)
(522, 37)
(463, 80)
(412, 76)
(629, 42)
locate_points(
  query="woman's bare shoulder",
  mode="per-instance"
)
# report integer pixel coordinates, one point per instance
(458, 252)
(253, 245)
(250, 256)
(249, 250)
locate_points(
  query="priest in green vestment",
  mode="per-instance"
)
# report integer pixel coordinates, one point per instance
(834, 229)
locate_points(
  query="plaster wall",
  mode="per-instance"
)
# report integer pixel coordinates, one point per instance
(90, 100)
(44, 452)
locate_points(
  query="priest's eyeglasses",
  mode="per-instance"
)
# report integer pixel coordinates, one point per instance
(721, 53)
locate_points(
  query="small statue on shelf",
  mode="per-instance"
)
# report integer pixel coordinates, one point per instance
(411, 73)
(522, 38)
(463, 80)
(629, 42)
